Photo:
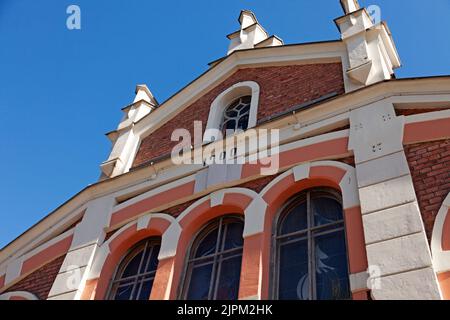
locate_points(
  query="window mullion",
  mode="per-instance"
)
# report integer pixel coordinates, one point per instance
(310, 248)
(213, 272)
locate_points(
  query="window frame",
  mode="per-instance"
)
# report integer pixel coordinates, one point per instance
(223, 100)
(284, 210)
(183, 289)
(231, 107)
(125, 260)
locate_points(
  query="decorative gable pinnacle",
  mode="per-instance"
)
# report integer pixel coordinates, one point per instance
(251, 34)
(350, 6)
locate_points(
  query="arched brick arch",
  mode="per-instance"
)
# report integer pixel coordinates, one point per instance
(227, 201)
(110, 253)
(18, 295)
(440, 247)
(337, 175)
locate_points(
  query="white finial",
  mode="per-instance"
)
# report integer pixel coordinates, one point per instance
(251, 34)
(247, 18)
(350, 6)
(143, 93)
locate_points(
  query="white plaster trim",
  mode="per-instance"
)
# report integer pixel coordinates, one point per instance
(272, 183)
(359, 281)
(23, 294)
(254, 213)
(348, 184)
(169, 240)
(217, 198)
(194, 205)
(349, 187)
(224, 99)
(13, 270)
(254, 217)
(250, 193)
(142, 222)
(428, 116)
(99, 260)
(301, 172)
(441, 259)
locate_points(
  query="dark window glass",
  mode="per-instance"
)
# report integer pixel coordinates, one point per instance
(135, 274)
(214, 266)
(295, 220)
(311, 249)
(236, 115)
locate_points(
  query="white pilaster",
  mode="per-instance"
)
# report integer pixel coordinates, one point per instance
(396, 244)
(89, 234)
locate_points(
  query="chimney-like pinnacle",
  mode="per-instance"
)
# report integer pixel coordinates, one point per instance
(251, 34)
(350, 6)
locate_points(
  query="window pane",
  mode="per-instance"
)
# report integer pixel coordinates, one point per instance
(325, 210)
(243, 122)
(153, 263)
(293, 278)
(123, 292)
(295, 220)
(146, 288)
(233, 237)
(207, 246)
(231, 113)
(136, 272)
(331, 267)
(245, 110)
(246, 99)
(200, 281)
(133, 266)
(230, 125)
(230, 273)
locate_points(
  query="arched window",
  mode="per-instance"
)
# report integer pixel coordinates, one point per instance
(135, 274)
(214, 265)
(229, 110)
(236, 115)
(310, 245)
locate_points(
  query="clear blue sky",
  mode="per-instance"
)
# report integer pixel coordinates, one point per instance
(61, 90)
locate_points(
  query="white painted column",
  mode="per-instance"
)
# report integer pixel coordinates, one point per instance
(397, 248)
(89, 234)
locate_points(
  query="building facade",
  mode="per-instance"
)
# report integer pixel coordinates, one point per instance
(299, 171)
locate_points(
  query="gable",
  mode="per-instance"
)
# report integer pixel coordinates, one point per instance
(281, 88)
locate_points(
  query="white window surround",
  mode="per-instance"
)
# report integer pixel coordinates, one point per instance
(223, 100)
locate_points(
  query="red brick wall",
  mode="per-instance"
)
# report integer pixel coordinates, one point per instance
(40, 281)
(282, 87)
(430, 168)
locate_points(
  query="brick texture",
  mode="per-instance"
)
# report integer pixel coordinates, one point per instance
(281, 88)
(40, 281)
(430, 169)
